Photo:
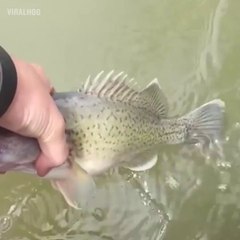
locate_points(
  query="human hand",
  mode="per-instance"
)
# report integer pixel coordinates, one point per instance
(33, 113)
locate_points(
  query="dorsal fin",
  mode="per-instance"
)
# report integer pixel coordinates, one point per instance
(154, 98)
(118, 87)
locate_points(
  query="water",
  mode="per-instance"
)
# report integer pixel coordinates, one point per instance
(193, 48)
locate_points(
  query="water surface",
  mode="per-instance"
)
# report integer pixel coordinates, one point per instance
(193, 48)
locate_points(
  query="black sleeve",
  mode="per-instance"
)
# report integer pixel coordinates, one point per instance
(8, 81)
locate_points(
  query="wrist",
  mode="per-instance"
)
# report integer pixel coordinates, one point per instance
(8, 81)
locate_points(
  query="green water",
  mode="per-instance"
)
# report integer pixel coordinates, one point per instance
(193, 47)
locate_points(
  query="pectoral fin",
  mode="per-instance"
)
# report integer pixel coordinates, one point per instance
(77, 188)
(142, 161)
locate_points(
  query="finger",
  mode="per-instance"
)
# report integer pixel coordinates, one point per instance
(39, 70)
(53, 154)
(53, 144)
(44, 78)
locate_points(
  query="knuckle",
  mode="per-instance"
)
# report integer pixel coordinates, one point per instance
(37, 67)
(54, 129)
(40, 69)
(60, 124)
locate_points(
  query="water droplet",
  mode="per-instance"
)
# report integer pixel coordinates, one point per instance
(224, 164)
(134, 175)
(198, 145)
(145, 184)
(222, 187)
(173, 183)
(198, 182)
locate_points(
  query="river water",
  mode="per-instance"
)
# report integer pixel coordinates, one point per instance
(193, 48)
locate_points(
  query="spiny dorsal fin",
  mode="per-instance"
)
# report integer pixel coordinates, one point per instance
(118, 87)
(154, 98)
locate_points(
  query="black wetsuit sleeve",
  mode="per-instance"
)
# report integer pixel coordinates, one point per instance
(8, 81)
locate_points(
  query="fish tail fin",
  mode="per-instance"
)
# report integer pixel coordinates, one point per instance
(205, 124)
(77, 188)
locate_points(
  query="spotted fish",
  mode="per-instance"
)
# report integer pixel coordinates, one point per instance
(110, 122)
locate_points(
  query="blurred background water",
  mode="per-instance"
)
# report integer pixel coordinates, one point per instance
(193, 48)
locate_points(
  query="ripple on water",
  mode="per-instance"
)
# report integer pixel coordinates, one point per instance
(127, 205)
(122, 209)
(5, 224)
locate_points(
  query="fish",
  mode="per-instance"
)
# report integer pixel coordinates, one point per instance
(112, 122)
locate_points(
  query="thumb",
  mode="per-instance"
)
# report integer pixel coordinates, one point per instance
(54, 151)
